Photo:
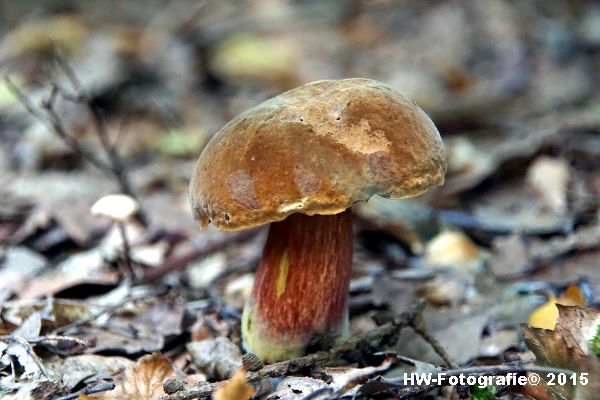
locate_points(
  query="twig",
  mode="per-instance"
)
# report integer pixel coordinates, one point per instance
(94, 316)
(116, 164)
(180, 262)
(351, 350)
(89, 390)
(418, 325)
(114, 167)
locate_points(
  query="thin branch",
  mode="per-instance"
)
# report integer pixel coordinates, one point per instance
(114, 167)
(117, 166)
(89, 390)
(96, 315)
(181, 261)
(418, 325)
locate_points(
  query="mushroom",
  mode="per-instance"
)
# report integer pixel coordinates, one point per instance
(120, 208)
(299, 161)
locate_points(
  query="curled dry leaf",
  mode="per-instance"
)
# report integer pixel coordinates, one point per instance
(569, 346)
(546, 315)
(143, 381)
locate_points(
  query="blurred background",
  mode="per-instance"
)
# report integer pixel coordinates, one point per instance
(167, 75)
(99, 97)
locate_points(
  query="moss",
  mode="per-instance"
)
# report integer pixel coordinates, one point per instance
(595, 342)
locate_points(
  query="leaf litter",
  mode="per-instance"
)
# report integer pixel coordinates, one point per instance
(502, 258)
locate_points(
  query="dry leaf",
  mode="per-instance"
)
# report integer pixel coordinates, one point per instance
(451, 248)
(545, 316)
(549, 178)
(568, 346)
(236, 389)
(75, 369)
(144, 381)
(218, 358)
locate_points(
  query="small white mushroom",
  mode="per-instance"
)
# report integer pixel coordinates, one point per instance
(119, 207)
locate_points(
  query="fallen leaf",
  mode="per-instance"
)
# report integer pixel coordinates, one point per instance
(549, 179)
(451, 248)
(143, 381)
(75, 369)
(219, 358)
(19, 266)
(236, 389)
(545, 316)
(569, 345)
(16, 351)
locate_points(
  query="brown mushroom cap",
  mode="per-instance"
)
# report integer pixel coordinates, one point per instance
(316, 149)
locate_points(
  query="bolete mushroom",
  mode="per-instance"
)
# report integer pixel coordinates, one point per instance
(299, 161)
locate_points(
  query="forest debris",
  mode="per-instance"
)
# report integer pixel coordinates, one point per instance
(458, 332)
(201, 274)
(347, 378)
(235, 389)
(549, 178)
(143, 381)
(468, 165)
(570, 345)
(29, 364)
(86, 267)
(18, 265)
(296, 387)
(384, 335)
(452, 249)
(498, 342)
(30, 327)
(142, 328)
(40, 36)
(184, 142)
(546, 315)
(509, 207)
(252, 58)
(76, 368)
(444, 289)
(42, 389)
(510, 256)
(582, 238)
(218, 358)
(238, 290)
(409, 221)
(53, 312)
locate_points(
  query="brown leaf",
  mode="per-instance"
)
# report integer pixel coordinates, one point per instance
(144, 381)
(236, 389)
(568, 346)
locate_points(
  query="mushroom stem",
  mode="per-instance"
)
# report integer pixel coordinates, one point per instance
(128, 271)
(299, 301)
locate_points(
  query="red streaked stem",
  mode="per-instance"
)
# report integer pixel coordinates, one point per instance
(300, 294)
